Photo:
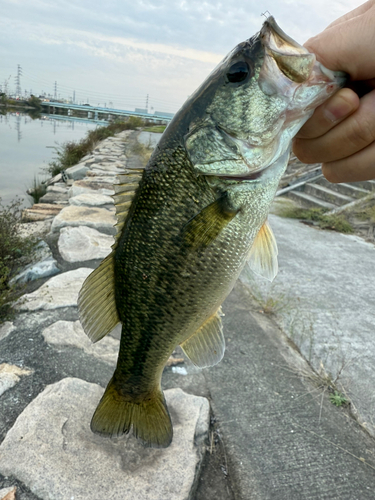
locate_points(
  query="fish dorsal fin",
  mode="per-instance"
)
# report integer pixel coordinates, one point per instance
(263, 253)
(124, 193)
(204, 228)
(96, 301)
(207, 345)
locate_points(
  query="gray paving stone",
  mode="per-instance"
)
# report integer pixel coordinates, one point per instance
(5, 329)
(70, 333)
(52, 451)
(10, 376)
(91, 200)
(98, 218)
(60, 291)
(79, 244)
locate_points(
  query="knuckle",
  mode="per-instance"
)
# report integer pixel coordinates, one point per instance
(362, 132)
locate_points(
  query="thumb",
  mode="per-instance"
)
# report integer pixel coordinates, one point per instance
(348, 46)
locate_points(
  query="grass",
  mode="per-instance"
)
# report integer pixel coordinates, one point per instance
(319, 217)
(15, 252)
(158, 129)
(70, 153)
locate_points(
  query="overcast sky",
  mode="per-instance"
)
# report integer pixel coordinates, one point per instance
(121, 50)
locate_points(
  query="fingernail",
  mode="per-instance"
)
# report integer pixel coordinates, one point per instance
(337, 109)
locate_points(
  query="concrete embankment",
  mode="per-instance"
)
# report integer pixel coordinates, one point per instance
(273, 431)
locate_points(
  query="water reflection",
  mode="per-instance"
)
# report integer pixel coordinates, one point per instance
(27, 145)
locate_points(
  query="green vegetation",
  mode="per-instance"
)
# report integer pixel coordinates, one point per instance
(142, 150)
(318, 216)
(338, 399)
(158, 129)
(34, 102)
(37, 190)
(70, 153)
(15, 252)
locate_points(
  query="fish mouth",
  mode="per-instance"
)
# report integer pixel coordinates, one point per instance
(293, 60)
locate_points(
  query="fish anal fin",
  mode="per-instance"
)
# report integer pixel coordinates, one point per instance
(96, 301)
(149, 418)
(263, 253)
(205, 227)
(207, 345)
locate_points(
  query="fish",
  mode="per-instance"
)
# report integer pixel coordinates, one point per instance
(190, 220)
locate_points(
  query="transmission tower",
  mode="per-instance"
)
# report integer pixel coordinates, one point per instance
(18, 80)
(55, 95)
(147, 103)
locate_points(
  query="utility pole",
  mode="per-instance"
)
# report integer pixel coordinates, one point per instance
(74, 96)
(18, 80)
(55, 95)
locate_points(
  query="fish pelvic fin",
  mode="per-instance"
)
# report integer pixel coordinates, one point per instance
(96, 301)
(263, 253)
(207, 345)
(205, 227)
(149, 418)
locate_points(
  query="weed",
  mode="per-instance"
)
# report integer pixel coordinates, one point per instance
(319, 216)
(338, 399)
(15, 252)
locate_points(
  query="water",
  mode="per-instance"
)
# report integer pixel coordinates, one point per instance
(26, 148)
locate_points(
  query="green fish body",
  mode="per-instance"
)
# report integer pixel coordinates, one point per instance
(189, 222)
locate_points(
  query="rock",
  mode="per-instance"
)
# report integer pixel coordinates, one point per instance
(98, 218)
(59, 291)
(5, 329)
(43, 265)
(60, 187)
(38, 228)
(44, 269)
(52, 451)
(55, 197)
(77, 171)
(69, 333)
(102, 185)
(91, 200)
(41, 211)
(54, 180)
(10, 376)
(78, 244)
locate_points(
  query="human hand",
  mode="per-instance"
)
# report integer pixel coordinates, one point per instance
(341, 133)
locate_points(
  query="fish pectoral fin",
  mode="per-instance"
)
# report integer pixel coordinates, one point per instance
(96, 301)
(263, 253)
(116, 414)
(204, 228)
(207, 345)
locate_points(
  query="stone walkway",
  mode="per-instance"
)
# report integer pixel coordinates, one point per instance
(47, 447)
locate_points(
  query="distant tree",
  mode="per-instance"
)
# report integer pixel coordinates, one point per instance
(35, 102)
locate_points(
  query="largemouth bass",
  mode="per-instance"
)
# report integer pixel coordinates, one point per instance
(189, 222)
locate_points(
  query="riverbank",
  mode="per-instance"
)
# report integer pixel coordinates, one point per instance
(273, 431)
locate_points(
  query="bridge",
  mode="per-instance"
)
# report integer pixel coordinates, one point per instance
(97, 113)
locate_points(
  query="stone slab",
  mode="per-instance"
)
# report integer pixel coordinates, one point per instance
(91, 200)
(52, 451)
(70, 333)
(5, 329)
(103, 185)
(79, 244)
(8, 493)
(97, 218)
(60, 291)
(10, 376)
(77, 172)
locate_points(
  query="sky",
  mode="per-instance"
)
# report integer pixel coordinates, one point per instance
(119, 52)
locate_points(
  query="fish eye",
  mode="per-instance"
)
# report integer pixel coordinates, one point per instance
(238, 72)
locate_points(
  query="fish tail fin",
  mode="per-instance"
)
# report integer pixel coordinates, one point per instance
(149, 418)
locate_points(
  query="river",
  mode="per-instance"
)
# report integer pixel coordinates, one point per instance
(26, 148)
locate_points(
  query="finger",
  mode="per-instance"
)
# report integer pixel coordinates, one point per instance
(329, 114)
(347, 138)
(353, 13)
(358, 167)
(342, 47)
